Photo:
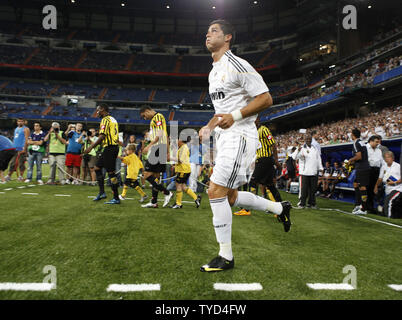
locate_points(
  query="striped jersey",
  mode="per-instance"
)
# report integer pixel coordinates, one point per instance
(158, 128)
(110, 128)
(233, 84)
(267, 142)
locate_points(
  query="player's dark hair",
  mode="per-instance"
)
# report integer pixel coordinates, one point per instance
(374, 137)
(356, 132)
(227, 28)
(104, 106)
(145, 108)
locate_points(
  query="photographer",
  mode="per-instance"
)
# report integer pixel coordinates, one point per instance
(73, 156)
(89, 160)
(57, 152)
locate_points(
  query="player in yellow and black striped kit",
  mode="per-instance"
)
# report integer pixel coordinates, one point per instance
(183, 171)
(109, 138)
(267, 158)
(157, 155)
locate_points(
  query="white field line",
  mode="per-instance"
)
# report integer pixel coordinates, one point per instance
(1, 192)
(330, 286)
(29, 193)
(8, 189)
(133, 287)
(13, 286)
(237, 286)
(62, 195)
(31, 185)
(360, 216)
(396, 287)
(22, 187)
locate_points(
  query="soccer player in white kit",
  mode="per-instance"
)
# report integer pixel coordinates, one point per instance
(238, 94)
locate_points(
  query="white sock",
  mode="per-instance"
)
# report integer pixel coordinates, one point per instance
(226, 250)
(222, 221)
(249, 200)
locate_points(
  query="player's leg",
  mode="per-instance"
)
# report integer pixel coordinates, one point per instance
(269, 182)
(222, 222)
(192, 194)
(358, 200)
(126, 185)
(304, 189)
(111, 153)
(138, 188)
(364, 180)
(99, 177)
(179, 196)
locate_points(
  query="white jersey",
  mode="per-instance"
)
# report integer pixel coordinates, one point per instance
(233, 83)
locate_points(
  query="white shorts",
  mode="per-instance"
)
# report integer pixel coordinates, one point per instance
(235, 158)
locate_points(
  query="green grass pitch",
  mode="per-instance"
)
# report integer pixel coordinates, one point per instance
(93, 245)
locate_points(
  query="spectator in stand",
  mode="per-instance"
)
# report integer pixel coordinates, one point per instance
(36, 151)
(56, 140)
(73, 155)
(21, 135)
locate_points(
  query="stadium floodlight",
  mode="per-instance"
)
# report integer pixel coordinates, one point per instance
(332, 66)
(123, 4)
(167, 6)
(213, 7)
(72, 1)
(255, 2)
(369, 7)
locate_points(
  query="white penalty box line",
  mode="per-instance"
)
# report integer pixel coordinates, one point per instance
(330, 286)
(15, 286)
(396, 287)
(238, 286)
(133, 287)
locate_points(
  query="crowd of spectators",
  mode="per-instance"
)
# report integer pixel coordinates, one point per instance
(386, 123)
(368, 56)
(359, 79)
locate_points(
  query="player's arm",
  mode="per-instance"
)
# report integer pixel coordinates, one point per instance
(357, 157)
(258, 104)
(205, 131)
(275, 153)
(95, 144)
